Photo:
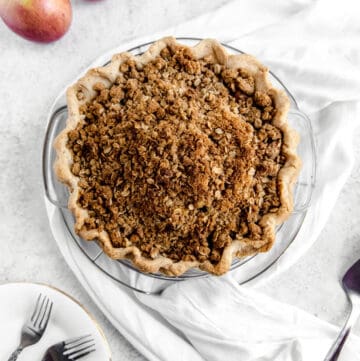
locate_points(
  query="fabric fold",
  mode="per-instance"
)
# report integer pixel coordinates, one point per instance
(224, 320)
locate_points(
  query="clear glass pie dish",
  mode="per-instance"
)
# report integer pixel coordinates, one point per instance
(244, 269)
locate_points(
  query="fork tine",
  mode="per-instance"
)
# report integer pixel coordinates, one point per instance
(40, 311)
(44, 312)
(76, 357)
(36, 307)
(75, 339)
(46, 317)
(76, 346)
(78, 353)
(71, 348)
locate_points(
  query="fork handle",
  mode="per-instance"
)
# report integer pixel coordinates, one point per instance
(337, 346)
(16, 354)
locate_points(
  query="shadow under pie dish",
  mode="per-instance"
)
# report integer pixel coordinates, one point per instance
(178, 158)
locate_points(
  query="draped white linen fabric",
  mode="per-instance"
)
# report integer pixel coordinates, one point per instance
(314, 48)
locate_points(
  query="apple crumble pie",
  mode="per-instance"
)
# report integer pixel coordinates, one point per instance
(178, 158)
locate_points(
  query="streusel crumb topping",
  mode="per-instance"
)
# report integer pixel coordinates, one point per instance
(178, 157)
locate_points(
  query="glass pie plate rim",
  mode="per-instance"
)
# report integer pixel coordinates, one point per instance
(57, 111)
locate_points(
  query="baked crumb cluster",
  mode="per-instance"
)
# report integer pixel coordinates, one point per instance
(178, 157)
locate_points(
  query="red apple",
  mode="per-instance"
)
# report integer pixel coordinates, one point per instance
(37, 20)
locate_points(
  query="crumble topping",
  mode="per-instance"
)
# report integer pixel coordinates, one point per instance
(178, 157)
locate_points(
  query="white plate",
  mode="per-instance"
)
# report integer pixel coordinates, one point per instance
(69, 319)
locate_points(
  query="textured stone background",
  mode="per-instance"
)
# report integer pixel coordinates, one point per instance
(31, 75)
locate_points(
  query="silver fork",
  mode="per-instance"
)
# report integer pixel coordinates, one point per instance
(351, 285)
(34, 328)
(69, 350)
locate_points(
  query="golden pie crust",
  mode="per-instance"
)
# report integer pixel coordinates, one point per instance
(216, 184)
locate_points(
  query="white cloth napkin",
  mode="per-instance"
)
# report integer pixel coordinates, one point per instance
(314, 47)
(226, 322)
